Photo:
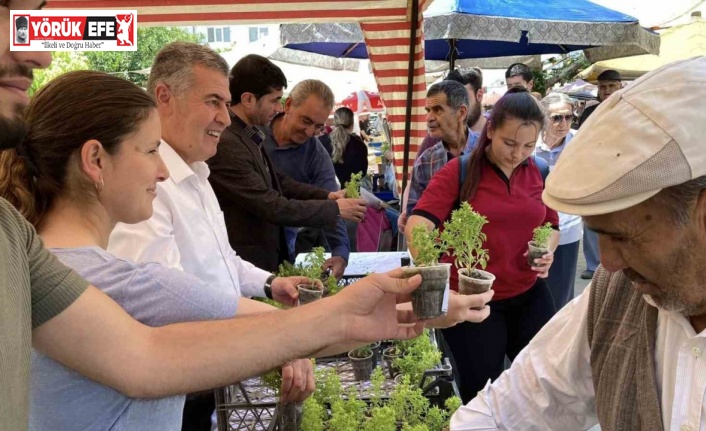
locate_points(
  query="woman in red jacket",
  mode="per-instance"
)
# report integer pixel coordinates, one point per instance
(504, 184)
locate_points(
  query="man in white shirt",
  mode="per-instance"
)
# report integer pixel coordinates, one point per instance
(629, 352)
(187, 231)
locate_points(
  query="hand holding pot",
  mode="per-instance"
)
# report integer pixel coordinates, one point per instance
(368, 308)
(298, 381)
(543, 264)
(284, 289)
(464, 308)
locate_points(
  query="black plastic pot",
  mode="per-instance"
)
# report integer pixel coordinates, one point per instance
(289, 416)
(362, 367)
(388, 358)
(428, 298)
(375, 347)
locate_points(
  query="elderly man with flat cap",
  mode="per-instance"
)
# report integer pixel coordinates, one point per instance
(628, 353)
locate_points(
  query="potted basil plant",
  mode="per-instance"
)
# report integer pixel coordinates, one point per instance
(539, 246)
(464, 236)
(428, 298)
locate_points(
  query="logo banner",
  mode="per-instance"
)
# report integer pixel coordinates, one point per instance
(73, 30)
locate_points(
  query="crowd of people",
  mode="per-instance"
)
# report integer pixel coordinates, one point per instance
(135, 238)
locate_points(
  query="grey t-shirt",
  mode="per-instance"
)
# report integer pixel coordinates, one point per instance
(61, 399)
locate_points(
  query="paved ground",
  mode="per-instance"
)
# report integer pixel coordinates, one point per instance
(580, 284)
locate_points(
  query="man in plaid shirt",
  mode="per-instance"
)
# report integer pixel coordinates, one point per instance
(447, 107)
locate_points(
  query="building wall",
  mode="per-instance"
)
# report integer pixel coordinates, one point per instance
(226, 37)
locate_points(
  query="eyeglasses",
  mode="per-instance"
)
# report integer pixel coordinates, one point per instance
(556, 119)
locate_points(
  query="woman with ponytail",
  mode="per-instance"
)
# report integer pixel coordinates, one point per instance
(349, 152)
(90, 160)
(503, 183)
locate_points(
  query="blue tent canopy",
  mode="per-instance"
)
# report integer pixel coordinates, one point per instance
(555, 10)
(457, 29)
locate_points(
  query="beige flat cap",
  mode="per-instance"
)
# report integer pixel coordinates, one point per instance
(647, 137)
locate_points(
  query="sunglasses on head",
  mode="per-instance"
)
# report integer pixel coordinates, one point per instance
(558, 118)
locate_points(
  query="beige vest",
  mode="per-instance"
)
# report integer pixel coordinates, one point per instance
(621, 334)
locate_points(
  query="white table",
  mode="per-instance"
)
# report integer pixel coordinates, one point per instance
(361, 264)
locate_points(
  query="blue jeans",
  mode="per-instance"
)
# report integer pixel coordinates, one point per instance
(562, 274)
(590, 249)
(392, 215)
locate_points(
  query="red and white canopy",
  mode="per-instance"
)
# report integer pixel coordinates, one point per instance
(235, 12)
(363, 101)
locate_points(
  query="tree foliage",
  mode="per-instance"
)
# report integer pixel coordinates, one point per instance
(62, 62)
(149, 41)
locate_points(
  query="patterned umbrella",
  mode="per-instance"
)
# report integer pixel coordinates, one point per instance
(458, 29)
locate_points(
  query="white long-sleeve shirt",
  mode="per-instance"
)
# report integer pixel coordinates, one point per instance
(187, 231)
(550, 387)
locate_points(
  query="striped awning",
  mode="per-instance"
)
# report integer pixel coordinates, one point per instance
(386, 26)
(234, 12)
(388, 47)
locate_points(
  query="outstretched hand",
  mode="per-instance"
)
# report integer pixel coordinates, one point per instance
(369, 308)
(463, 308)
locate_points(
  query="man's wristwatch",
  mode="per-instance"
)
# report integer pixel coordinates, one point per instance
(268, 286)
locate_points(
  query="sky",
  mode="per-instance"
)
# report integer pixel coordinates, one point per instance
(655, 12)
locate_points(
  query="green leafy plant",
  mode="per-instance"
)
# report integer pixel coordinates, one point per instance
(273, 380)
(332, 286)
(418, 355)
(452, 404)
(418, 427)
(361, 352)
(436, 419)
(355, 407)
(382, 419)
(311, 268)
(541, 234)
(464, 237)
(328, 388)
(341, 419)
(352, 187)
(313, 416)
(427, 245)
(384, 148)
(314, 263)
(377, 382)
(408, 402)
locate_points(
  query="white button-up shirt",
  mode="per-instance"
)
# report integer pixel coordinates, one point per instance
(550, 387)
(187, 231)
